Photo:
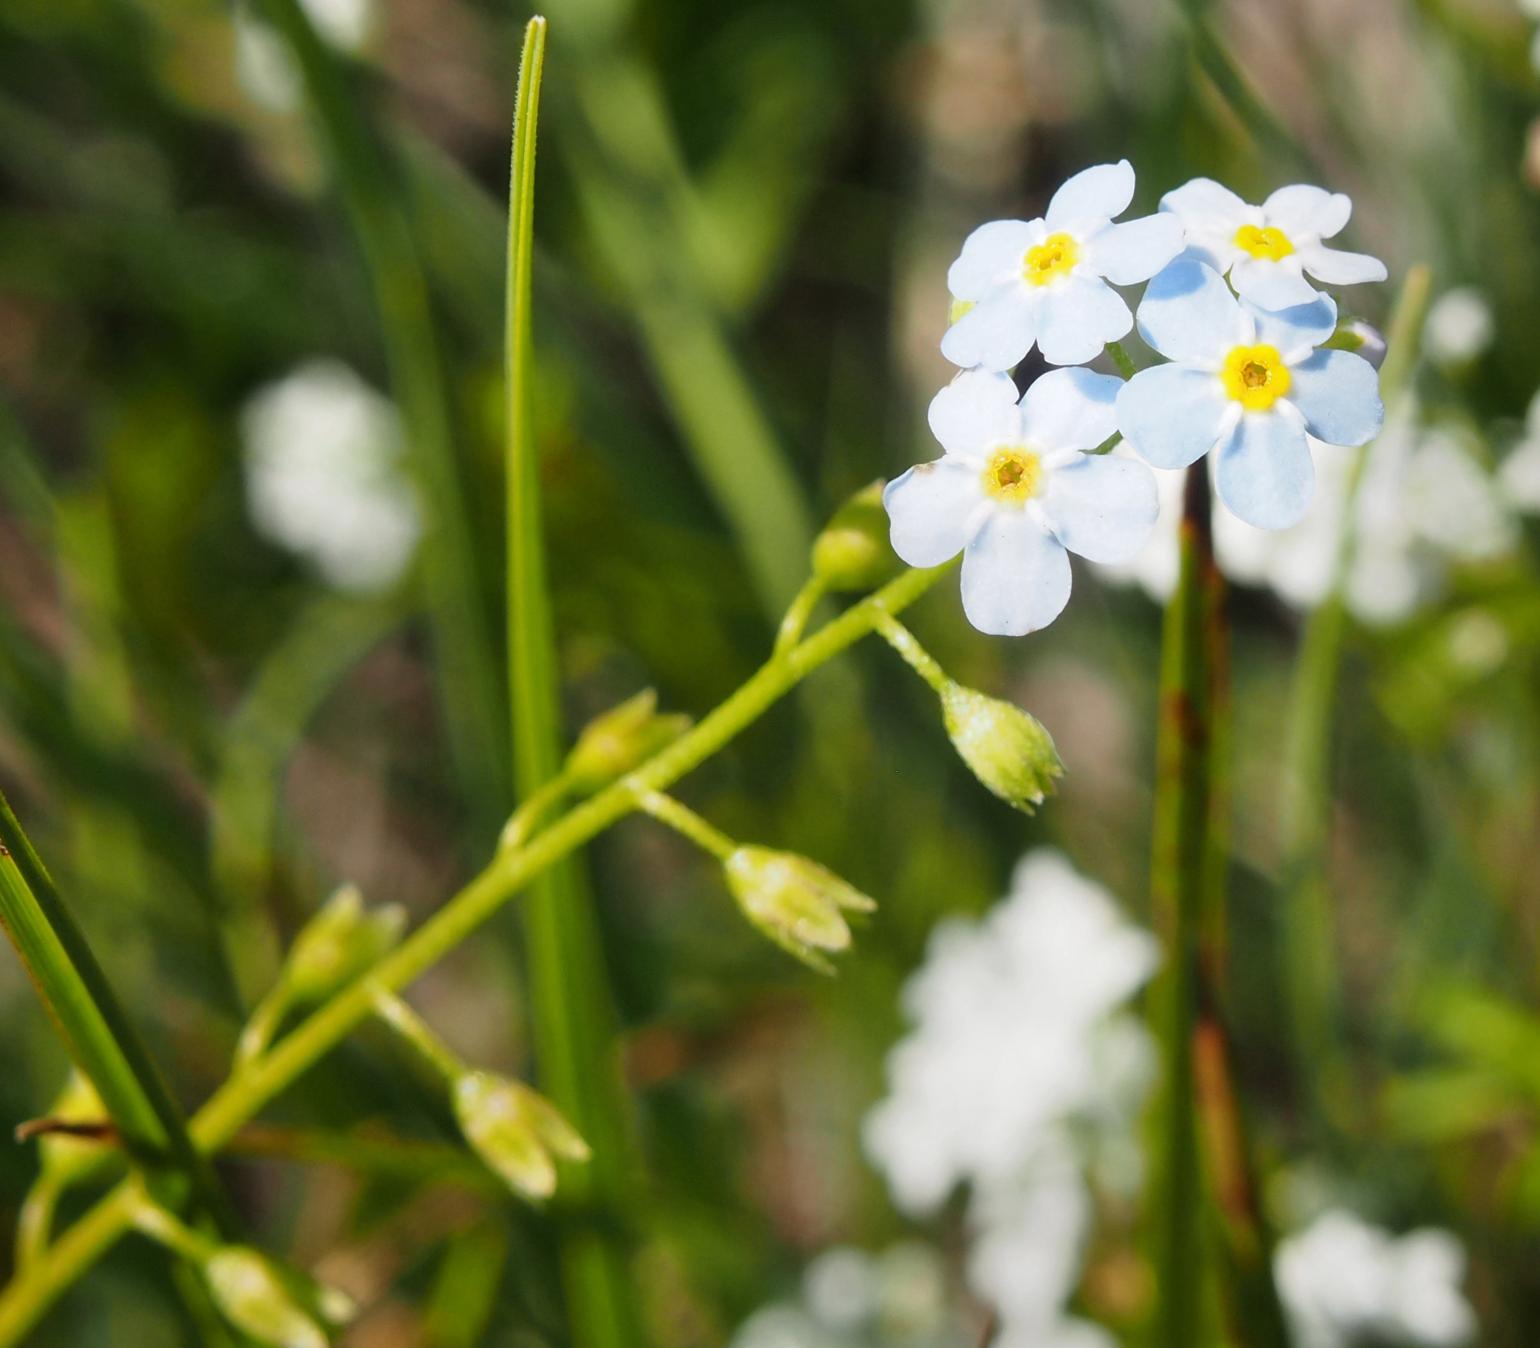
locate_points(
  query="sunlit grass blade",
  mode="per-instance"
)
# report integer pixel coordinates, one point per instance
(472, 703)
(1310, 937)
(573, 1018)
(100, 1038)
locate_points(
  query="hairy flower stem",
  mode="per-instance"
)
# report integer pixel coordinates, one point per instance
(1310, 941)
(797, 615)
(684, 821)
(902, 640)
(1180, 863)
(32, 1292)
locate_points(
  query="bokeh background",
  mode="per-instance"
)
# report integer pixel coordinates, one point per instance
(250, 643)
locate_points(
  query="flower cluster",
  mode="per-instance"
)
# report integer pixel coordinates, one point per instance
(1248, 377)
(1023, 1067)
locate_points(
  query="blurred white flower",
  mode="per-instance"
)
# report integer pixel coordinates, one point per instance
(1459, 327)
(1519, 472)
(1021, 1072)
(323, 475)
(263, 65)
(851, 1298)
(1344, 1281)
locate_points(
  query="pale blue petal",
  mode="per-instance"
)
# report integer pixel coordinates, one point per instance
(934, 509)
(1078, 318)
(1015, 576)
(1302, 211)
(1189, 314)
(1264, 474)
(1135, 250)
(1092, 196)
(1293, 329)
(1072, 408)
(1205, 202)
(1338, 393)
(996, 333)
(1334, 267)
(976, 410)
(1172, 415)
(1101, 507)
(1271, 285)
(991, 255)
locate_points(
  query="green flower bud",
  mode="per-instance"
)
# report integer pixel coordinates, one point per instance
(620, 739)
(1004, 747)
(1364, 339)
(852, 552)
(61, 1156)
(516, 1131)
(797, 903)
(339, 943)
(273, 1305)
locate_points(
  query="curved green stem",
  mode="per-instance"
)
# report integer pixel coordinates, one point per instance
(683, 820)
(34, 1222)
(902, 640)
(797, 615)
(31, 1293)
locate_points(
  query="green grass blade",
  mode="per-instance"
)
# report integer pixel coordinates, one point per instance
(99, 1036)
(469, 690)
(573, 1016)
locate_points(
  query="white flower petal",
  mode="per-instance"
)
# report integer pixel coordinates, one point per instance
(1172, 415)
(1102, 508)
(1339, 395)
(1301, 210)
(996, 333)
(1070, 409)
(976, 410)
(1015, 576)
(1337, 268)
(1264, 473)
(991, 255)
(1205, 202)
(1189, 314)
(1135, 250)
(933, 510)
(1297, 327)
(1079, 318)
(1270, 284)
(1091, 196)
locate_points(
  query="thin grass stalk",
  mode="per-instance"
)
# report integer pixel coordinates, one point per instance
(468, 683)
(572, 1013)
(100, 1038)
(30, 1294)
(1178, 884)
(1310, 938)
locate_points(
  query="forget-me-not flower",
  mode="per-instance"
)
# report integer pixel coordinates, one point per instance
(1248, 383)
(1045, 281)
(1015, 489)
(1266, 250)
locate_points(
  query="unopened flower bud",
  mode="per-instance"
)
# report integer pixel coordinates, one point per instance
(1363, 339)
(272, 1305)
(516, 1131)
(1004, 747)
(620, 739)
(339, 943)
(852, 552)
(797, 903)
(61, 1156)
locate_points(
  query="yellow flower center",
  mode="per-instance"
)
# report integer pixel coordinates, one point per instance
(1255, 376)
(1263, 241)
(1054, 257)
(1013, 475)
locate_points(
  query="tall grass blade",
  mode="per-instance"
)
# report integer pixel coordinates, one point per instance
(572, 1013)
